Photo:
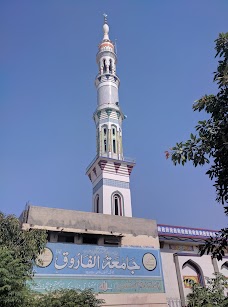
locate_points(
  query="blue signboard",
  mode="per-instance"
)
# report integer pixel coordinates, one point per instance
(105, 269)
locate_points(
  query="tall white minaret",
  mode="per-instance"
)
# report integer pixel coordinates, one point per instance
(110, 171)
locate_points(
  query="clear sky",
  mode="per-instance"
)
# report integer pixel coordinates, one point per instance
(47, 98)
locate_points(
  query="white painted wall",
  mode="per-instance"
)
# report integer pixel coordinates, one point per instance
(169, 269)
(204, 262)
(108, 191)
(223, 270)
(170, 276)
(105, 193)
(125, 178)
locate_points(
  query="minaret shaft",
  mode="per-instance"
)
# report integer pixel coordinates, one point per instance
(110, 171)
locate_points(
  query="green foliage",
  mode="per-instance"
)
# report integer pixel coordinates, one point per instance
(212, 295)
(216, 246)
(12, 279)
(26, 245)
(209, 143)
(67, 298)
(18, 250)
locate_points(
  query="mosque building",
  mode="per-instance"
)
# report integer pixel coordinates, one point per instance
(129, 261)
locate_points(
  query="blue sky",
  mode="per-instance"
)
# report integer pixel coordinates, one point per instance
(47, 98)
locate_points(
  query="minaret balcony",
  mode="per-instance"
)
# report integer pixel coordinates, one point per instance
(107, 75)
(101, 53)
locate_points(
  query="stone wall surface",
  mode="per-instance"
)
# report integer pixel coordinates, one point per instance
(51, 217)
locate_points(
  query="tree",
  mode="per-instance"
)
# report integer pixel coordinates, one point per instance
(25, 245)
(18, 250)
(212, 295)
(209, 144)
(12, 279)
(68, 298)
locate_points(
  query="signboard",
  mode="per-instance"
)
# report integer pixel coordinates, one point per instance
(105, 269)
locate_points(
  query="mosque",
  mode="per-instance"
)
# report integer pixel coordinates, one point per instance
(129, 261)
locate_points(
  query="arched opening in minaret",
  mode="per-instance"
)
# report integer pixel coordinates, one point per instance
(104, 139)
(117, 205)
(105, 68)
(96, 204)
(114, 140)
(110, 66)
(105, 146)
(114, 146)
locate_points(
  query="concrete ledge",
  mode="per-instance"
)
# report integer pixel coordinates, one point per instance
(134, 299)
(51, 218)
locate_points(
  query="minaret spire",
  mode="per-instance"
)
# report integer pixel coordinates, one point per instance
(105, 27)
(105, 18)
(109, 168)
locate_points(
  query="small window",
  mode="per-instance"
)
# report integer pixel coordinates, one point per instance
(114, 241)
(65, 238)
(105, 131)
(113, 131)
(89, 239)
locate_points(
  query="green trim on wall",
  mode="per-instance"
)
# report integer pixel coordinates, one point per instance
(108, 111)
(99, 114)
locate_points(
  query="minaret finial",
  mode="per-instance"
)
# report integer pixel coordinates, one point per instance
(105, 27)
(105, 18)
